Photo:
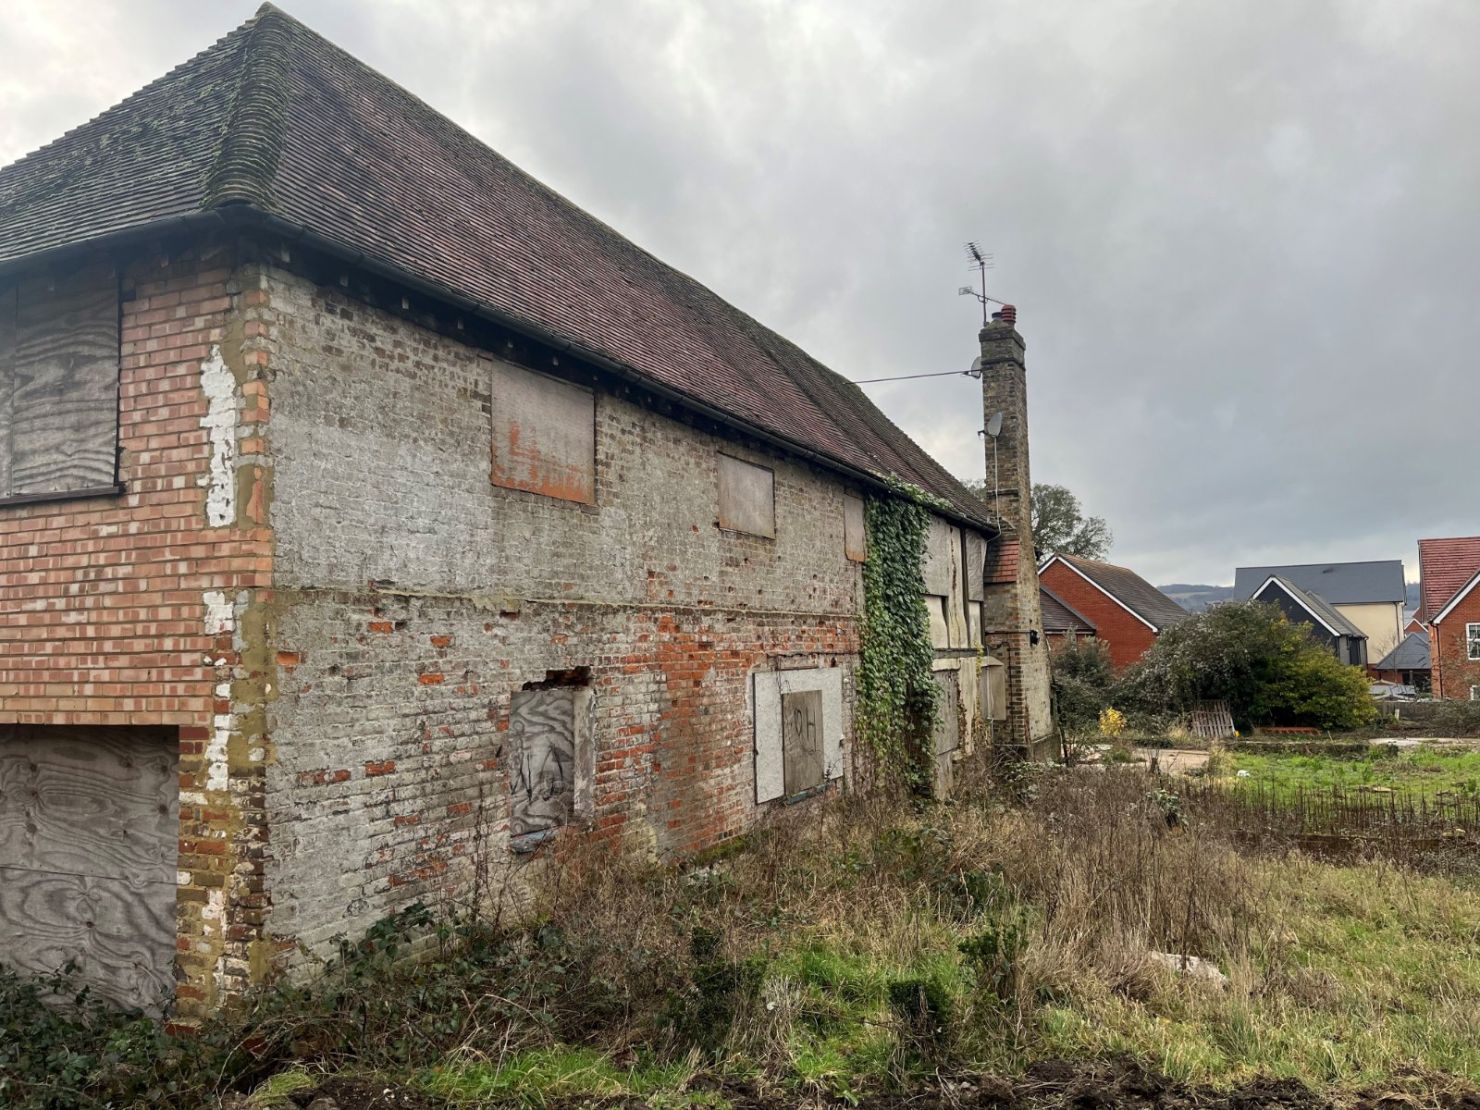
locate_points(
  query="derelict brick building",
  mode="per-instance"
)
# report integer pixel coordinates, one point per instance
(365, 505)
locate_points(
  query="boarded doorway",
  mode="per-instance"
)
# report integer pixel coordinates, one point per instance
(947, 731)
(89, 840)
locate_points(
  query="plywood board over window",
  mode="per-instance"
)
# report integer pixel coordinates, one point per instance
(59, 384)
(747, 497)
(855, 537)
(798, 730)
(544, 434)
(89, 844)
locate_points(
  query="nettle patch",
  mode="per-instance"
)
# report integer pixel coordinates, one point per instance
(897, 694)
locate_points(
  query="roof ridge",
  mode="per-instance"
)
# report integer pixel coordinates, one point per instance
(252, 140)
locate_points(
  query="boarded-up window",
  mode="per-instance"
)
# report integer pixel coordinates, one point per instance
(747, 497)
(550, 761)
(89, 845)
(544, 435)
(798, 730)
(994, 689)
(855, 540)
(59, 384)
(801, 740)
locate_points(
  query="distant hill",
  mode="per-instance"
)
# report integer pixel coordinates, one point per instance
(1195, 598)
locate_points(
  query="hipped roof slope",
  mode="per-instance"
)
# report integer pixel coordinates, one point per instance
(277, 120)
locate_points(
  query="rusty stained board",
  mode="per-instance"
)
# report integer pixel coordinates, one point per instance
(544, 434)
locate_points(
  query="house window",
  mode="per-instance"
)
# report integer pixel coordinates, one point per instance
(544, 435)
(1475, 693)
(798, 731)
(747, 497)
(550, 761)
(1472, 641)
(59, 385)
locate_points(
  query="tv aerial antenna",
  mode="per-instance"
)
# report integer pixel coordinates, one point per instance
(981, 262)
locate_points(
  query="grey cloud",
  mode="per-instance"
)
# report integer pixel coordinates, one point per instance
(1242, 236)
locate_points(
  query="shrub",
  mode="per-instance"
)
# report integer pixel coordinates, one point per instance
(1249, 655)
(1112, 722)
(1082, 676)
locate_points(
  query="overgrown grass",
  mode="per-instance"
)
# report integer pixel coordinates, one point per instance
(1422, 771)
(874, 946)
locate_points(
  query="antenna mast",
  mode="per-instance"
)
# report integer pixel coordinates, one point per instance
(981, 263)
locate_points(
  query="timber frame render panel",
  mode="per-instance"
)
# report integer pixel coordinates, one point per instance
(89, 840)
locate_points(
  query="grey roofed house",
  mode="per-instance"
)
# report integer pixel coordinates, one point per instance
(1319, 607)
(1346, 640)
(1410, 655)
(1339, 583)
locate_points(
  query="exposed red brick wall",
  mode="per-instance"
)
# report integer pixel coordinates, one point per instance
(1453, 671)
(86, 584)
(1125, 635)
(103, 602)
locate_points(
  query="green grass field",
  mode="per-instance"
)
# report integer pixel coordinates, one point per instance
(1425, 770)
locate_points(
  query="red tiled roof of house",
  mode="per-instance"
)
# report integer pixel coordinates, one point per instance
(278, 124)
(1002, 562)
(1444, 566)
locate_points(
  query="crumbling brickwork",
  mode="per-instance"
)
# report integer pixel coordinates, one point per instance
(414, 597)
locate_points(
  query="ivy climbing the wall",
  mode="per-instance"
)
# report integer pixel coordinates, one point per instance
(897, 694)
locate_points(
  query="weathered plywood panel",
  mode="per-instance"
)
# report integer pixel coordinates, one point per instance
(7, 383)
(940, 626)
(89, 827)
(747, 497)
(544, 435)
(120, 936)
(801, 740)
(855, 532)
(63, 383)
(542, 754)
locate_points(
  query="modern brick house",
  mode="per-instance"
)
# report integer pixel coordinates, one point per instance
(1128, 612)
(370, 514)
(1449, 605)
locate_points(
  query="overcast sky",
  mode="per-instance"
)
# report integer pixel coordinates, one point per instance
(1244, 238)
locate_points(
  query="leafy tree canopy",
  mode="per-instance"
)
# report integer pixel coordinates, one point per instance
(1059, 524)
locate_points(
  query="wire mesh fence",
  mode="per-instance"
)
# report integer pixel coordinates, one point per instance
(1428, 830)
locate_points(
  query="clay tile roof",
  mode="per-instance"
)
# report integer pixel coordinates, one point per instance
(1060, 616)
(1131, 590)
(277, 121)
(1444, 567)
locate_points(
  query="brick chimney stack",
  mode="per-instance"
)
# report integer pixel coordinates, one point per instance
(1012, 613)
